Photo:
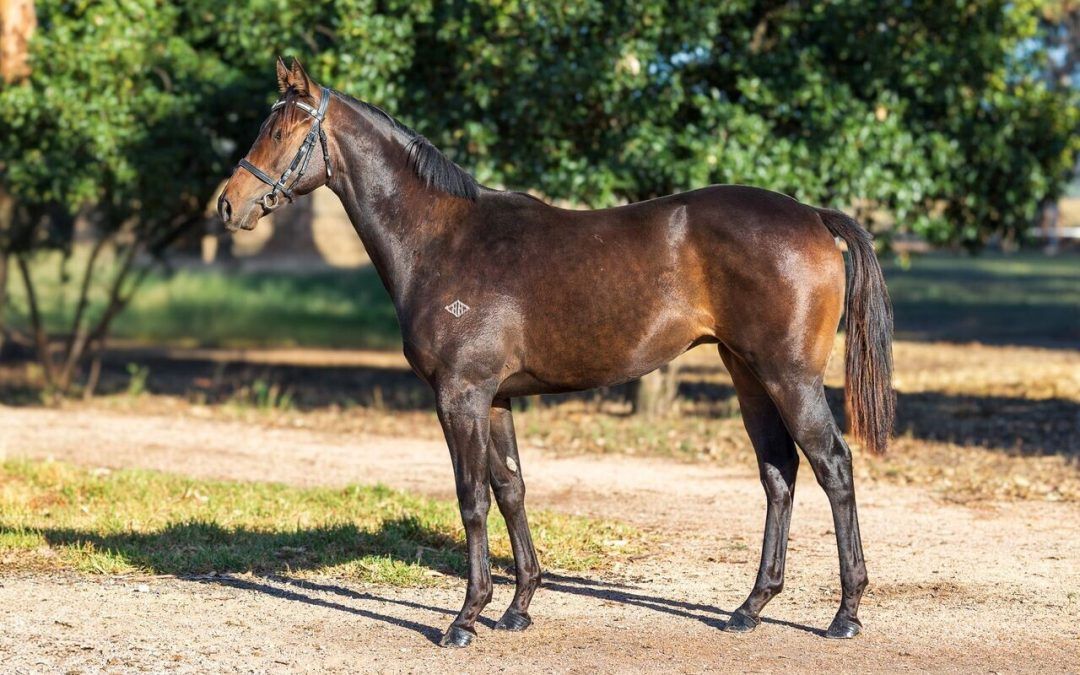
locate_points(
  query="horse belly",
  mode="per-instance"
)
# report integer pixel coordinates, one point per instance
(583, 350)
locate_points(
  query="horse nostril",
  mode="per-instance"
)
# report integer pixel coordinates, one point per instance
(225, 209)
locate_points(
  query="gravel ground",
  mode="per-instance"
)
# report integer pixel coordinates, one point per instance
(990, 587)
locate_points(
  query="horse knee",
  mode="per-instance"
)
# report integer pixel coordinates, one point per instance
(474, 508)
(508, 492)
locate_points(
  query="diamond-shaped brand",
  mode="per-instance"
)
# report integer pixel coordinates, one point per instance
(457, 308)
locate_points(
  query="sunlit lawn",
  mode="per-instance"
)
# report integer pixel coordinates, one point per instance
(58, 516)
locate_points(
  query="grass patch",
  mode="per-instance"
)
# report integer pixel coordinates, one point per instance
(58, 516)
(1024, 298)
(220, 308)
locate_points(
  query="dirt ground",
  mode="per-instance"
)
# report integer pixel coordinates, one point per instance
(989, 587)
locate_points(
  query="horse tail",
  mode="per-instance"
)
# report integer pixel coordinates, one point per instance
(869, 400)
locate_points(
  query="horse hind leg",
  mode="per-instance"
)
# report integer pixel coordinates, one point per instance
(778, 463)
(801, 402)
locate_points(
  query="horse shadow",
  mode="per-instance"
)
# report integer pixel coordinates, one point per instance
(266, 562)
(1014, 425)
(709, 615)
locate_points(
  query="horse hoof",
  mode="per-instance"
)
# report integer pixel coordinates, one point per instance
(741, 623)
(843, 628)
(457, 636)
(513, 621)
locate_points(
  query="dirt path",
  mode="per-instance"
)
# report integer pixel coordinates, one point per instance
(952, 587)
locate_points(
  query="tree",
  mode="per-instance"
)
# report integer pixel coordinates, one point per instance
(1060, 29)
(930, 114)
(924, 117)
(17, 24)
(934, 114)
(119, 123)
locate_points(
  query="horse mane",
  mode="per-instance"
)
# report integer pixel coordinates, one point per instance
(426, 161)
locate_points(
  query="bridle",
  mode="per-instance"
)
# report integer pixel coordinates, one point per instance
(271, 200)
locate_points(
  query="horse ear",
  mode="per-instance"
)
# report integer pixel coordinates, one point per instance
(282, 75)
(299, 79)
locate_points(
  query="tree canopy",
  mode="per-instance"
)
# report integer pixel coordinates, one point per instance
(949, 120)
(937, 114)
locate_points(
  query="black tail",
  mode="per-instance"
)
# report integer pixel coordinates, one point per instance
(869, 398)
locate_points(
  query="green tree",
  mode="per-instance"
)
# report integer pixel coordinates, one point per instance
(121, 123)
(936, 114)
(933, 116)
(926, 117)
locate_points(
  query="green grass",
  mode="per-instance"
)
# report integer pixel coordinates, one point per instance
(325, 309)
(58, 516)
(215, 307)
(1023, 298)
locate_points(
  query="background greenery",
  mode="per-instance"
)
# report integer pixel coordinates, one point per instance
(945, 120)
(940, 113)
(992, 298)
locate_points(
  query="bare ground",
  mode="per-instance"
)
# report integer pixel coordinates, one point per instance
(995, 587)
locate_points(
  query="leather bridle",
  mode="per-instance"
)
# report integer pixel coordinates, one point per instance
(271, 200)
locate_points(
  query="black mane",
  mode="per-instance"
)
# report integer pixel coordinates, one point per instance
(427, 161)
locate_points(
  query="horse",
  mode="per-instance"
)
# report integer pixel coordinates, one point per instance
(500, 295)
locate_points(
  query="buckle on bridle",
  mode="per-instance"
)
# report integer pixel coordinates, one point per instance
(270, 201)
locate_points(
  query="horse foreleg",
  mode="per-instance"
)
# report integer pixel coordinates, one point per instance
(509, 487)
(464, 412)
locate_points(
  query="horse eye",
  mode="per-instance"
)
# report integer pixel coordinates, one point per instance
(277, 135)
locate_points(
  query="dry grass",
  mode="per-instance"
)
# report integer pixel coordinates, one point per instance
(976, 422)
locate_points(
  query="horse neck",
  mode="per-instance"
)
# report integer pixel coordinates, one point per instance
(395, 214)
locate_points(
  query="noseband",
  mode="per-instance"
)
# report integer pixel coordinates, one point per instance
(271, 200)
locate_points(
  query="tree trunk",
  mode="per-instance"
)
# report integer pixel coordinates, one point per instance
(17, 24)
(37, 323)
(654, 394)
(3, 298)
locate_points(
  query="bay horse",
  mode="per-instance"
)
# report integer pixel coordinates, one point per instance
(500, 295)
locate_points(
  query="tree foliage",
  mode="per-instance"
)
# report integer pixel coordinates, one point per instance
(936, 118)
(936, 114)
(122, 122)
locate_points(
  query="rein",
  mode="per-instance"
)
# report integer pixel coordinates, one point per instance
(299, 163)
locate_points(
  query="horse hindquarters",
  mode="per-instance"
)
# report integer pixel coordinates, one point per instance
(784, 348)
